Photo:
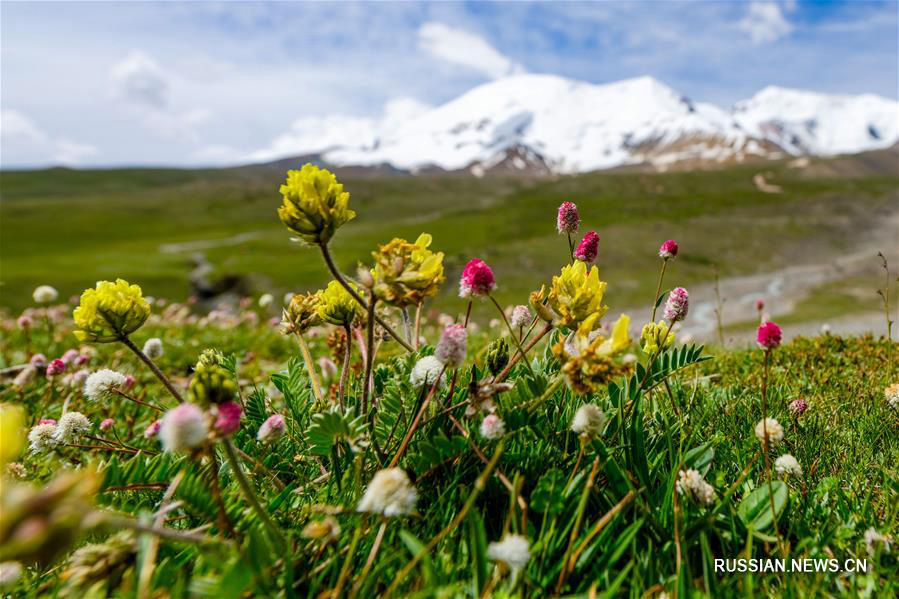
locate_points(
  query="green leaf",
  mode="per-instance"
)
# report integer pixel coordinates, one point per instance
(415, 547)
(755, 509)
(477, 548)
(548, 495)
(700, 458)
(328, 429)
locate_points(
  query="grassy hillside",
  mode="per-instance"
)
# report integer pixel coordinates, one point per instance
(74, 227)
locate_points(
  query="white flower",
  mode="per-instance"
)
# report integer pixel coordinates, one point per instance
(45, 294)
(183, 428)
(874, 538)
(774, 429)
(272, 429)
(389, 493)
(521, 317)
(692, 485)
(513, 550)
(71, 426)
(787, 465)
(153, 348)
(492, 427)
(103, 384)
(10, 573)
(265, 300)
(42, 437)
(425, 372)
(588, 421)
(892, 395)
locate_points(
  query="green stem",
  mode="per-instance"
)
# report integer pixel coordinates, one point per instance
(655, 300)
(512, 333)
(250, 494)
(326, 254)
(146, 360)
(344, 373)
(369, 354)
(310, 367)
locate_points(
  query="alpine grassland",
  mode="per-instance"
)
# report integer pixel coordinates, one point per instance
(437, 386)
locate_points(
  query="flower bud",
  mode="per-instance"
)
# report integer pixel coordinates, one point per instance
(452, 346)
(107, 424)
(521, 317)
(492, 427)
(56, 367)
(272, 429)
(668, 250)
(568, 220)
(227, 421)
(183, 428)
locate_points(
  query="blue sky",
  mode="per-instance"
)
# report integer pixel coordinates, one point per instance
(187, 83)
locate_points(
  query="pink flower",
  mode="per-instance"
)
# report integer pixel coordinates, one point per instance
(798, 407)
(70, 356)
(56, 367)
(24, 321)
(272, 429)
(228, 420)
(677, 305)
(38, 360)
(568, 219)
(769, 335)
(759, 304)
(452, 346)
(588, 248)
(47, 421)
(668, 250)
(130, 381)
(82, 359)
(153, 429)
(477, 279)
(107, 423)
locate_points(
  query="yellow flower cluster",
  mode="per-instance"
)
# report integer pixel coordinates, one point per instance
(656, 336)
(314, 205)
(575, 298)
(212, 383)
(407, 273)
(110, 312)
(12, 427)
(337, 306)
(301, 313)
(588, 358)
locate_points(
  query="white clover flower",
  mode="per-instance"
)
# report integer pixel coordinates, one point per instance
(492, 427)
(71, 427)
(153, 348)
(892, 395)
(588, 421)
(45, 294)
(775, 431)
(787, 465)
(183, 428)
(425, 372)
(265, 300)
(10, 573)
(390, 493)
(42, 437)
(692, 485)
(103, 384)
(874, 538)
(521, 317)
(513, 550)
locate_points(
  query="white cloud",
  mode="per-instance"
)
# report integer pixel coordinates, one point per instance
(765, 22)
(465, 49)
(23, 142)
(139, 79)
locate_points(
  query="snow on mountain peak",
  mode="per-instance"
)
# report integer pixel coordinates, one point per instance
(574, 126)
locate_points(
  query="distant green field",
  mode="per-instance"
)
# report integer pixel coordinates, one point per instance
(69, 228)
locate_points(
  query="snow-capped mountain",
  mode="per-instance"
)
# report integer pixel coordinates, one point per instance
(545, 122)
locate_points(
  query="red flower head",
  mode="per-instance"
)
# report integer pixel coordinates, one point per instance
(759, 304)
(668, 250)
(588, 248)
(769, 335)
(55, 367)
(568, 220)
(477, 279)
(228, 420)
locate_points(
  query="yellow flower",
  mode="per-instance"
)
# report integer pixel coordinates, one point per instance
(588, 358)
(110, 312)
(314, 205)
(337, 306)
(575, 298)
(407, 273)
(301, 314)
(656, 335)
(212, 383)
(12, 432)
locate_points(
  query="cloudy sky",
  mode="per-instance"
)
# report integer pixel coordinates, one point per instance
(191, 83)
